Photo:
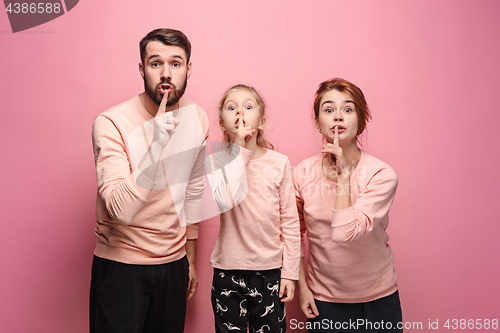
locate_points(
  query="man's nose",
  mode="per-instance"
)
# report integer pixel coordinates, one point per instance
(165, 74)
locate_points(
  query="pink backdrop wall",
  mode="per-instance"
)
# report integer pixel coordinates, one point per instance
(429, 70)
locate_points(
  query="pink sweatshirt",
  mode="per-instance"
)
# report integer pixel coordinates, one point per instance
(143, 221)
(259, 227)
(350, 260)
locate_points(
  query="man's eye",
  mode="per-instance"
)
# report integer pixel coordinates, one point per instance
(155, 64)
(176, 64)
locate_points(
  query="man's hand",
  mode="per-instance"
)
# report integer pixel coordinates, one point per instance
(165, 123)
(193, 278)
(193, 282)
(164, 127)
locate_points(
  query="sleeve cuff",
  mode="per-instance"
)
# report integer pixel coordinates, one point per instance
(342, 217)
(192, 210)
(285, 275)
(192, 231)
(141, 184)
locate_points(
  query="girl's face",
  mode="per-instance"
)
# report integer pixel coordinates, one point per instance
(337, 109)
(238, 102)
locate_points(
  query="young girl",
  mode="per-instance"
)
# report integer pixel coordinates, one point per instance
(343, 198)
(257, 253)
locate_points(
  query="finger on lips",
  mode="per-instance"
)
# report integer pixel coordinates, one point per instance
(162, 108)
(240, 121)
(336, 141)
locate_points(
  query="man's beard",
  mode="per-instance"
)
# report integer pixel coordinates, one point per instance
(173, 97)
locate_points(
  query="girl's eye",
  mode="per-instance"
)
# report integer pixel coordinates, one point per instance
(231, 108)
(248, 107)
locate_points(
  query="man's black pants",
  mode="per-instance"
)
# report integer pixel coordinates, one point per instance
(128, 298)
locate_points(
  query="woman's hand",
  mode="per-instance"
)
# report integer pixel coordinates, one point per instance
(243, 133)
(306, 302)
(335, 156)
(287, 289)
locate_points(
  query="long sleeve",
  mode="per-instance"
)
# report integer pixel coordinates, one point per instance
(196, 184)
(300, 211)
(370, 208)
(194, 193)
(194, 189)
(290, 227)
(227, 177)
(117, 185)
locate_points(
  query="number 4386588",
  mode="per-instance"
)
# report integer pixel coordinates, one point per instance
(33, 8)
(471, 324)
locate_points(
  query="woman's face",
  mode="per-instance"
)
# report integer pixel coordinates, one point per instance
(337, 109)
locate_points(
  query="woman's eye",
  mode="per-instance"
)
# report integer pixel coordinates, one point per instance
(328, 110)
(348, 110)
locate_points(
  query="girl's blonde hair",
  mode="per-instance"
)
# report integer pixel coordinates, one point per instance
(261, 141)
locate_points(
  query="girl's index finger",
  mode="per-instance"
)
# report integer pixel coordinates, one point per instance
(240, 120)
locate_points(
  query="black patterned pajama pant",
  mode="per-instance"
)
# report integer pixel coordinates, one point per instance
(242, 298)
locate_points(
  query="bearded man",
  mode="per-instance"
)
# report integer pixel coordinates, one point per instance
(149, 154)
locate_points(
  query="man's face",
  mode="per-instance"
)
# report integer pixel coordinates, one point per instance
(165, 68)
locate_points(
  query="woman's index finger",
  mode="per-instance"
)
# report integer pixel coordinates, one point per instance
(336, 139)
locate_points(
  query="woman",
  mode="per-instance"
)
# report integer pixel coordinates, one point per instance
(343, 198)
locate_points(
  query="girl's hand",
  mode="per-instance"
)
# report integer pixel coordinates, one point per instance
(307, 303)
(287, 289)
(335, 155)
(243, 133)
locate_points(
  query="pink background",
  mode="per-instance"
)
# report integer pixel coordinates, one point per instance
(429, 70)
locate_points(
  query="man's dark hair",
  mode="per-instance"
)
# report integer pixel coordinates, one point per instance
(167, 37)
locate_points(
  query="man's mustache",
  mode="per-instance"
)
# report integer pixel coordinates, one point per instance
(166, 82)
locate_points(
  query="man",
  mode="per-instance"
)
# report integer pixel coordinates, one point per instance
(149, 154)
